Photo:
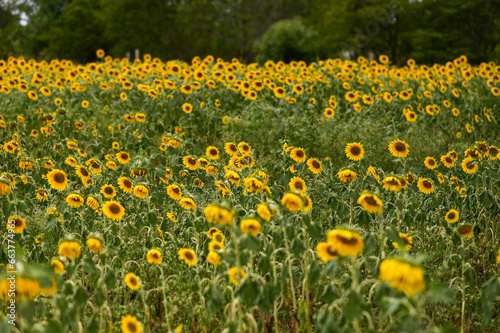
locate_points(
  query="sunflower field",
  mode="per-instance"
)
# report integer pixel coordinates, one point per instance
(214, 196)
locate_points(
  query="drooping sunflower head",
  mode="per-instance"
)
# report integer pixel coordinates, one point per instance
(347, 175)
(75, 200)
(349, 243)
(392, 183)
(469, 165)
(250, 225)
(327, 251)
(466, 231)
(292, 202)
(141, 191)
(370, 202)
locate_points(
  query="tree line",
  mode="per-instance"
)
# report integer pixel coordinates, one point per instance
(428, 31)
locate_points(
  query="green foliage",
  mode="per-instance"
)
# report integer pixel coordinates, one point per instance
(287, 40)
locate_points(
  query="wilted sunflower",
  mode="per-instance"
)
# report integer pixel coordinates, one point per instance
(403, 276)
(132, 281)
(190, 162)
(233, 177)
(264, 212)
(57, 265)
(126, 185)
(188, 256)
(469, 165)
(174, 191)
(18, 222)
(425, 185)
(452, 216)
(187, 203)
(172, 217)
(75, 200)
(113, 210)
(297, 184)
(292, 202)
(108, 191)
(348, 242)
(129, 324)
(466, 231)
(370, 202)
(212, 152)
(399, 148)
(430, 163)
(314, 166)
(215, 245)
(298, 155)
(123, 157)
(354, 151)
(57, 179)
(392, 183)
(250, 225)
(347, 175)
(141, 191)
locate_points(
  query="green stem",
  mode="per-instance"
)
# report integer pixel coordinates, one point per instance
(165, 303)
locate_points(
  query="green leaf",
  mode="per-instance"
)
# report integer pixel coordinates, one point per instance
(355, 304)
(81, 296)
(297, 247)
(314, 273)
(248, 291)
(110, 279)
(439, 292)
(329, 293)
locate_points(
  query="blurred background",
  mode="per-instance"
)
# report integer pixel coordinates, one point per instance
(429, 31)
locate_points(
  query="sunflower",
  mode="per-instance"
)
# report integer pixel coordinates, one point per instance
(348, 242)
(129, 324)
(17, 223)
(233, 177)
(347, 175)
(187, 108)
(57, 265)
(57, 179)
(187, 203)
(298, 155)
(236, 276)
(82, 172)
(466, 231)
(392, 183)
(279, 92)
(132, 281)
(372, 171)
(75, 200)
(213, 258)
(42, 195)
(250, 225)
(113, 210)
(94, 245)
(154, 256)
(329, 112)
(308, 205)
(174, 191)
(402, 276)
(425, 185)
(354, 151)
(92, 202)
(69, 249)
(314, 166)
(141, 191)
(172, 217)
(407, 241)
(218, 215)
(452, 216)
(123, 157)
(264, 212)
(190, 162)
(108, 191)
(292, 202)
(370, 202)
(212, 152)
(140, 117)
(244, 148)
(327, 251)
(186, 89)
(221, 187)
(469, 165)
(399, 148)
(188, 256)
(126, 185)
(430, 163)
(231, 149)
(447, 161)
(216, 245)
(297, 184)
